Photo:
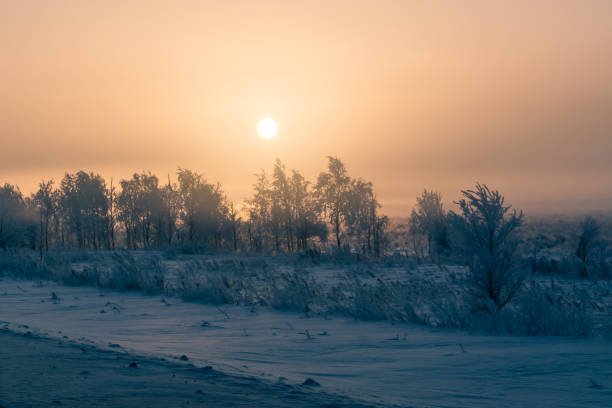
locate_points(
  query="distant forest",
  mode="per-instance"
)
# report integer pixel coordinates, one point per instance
(285, 212)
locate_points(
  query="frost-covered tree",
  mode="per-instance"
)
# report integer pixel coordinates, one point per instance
(13, 218)
(167, 224)
(379, 226)
(362, 221)
(487, 232)
(535, 245)
(429, 219)
(142, 210)
(46, 199)
(260, 213)
(84, 206)
(306, 218)
(282, 212)
(351, 209)
(331, 192)
(204, 210)
(233, 226)
(589, 232)
(285, 212)
(112, 216)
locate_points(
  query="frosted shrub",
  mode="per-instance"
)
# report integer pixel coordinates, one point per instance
(373, 302)
(374, 299)
(294, 291)
(23, 265)
(192, 283)
(170, 253)
(540, 311)
(126, 273)
(536, 311)
(88, 275)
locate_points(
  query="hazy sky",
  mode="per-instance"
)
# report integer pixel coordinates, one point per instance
(410, 94)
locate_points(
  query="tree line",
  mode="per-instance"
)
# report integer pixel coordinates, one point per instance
(337, 213)
(285, 213)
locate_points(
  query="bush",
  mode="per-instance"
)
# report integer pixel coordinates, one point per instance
(295, 292)
(126, 273)
(193, 283)
(170, 254)
(88, 275)
(23, 264)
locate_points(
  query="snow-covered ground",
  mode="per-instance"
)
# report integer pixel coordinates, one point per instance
(380, 362)
(40, 372)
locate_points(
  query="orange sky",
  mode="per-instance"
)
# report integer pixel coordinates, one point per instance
(410, 94)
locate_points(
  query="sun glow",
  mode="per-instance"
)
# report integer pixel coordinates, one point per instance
(267, 128)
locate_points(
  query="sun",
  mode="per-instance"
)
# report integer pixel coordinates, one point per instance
(267, 128)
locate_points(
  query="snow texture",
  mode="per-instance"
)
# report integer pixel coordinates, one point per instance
(394, 364)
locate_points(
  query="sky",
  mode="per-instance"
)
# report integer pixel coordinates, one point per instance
(409, 94)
